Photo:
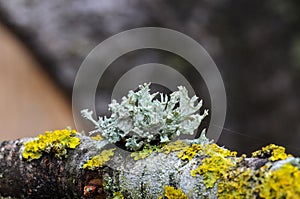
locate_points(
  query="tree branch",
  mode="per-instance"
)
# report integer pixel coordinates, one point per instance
(192, 170)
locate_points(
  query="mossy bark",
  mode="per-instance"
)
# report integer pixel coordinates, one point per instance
(49, 177)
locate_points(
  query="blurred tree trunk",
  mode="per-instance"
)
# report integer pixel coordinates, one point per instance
(22, 84)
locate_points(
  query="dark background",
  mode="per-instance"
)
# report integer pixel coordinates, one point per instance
(255, 44)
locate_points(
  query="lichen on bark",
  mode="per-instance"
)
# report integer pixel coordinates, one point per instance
(67, 164)
(51, 177)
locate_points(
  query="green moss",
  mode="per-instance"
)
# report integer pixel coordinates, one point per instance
(171, 192)
(56, 142)
(99, 160)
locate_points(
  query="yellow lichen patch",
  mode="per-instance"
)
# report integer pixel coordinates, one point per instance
(118, 195)
(208, 150)
(213, 149)
(236, 181)
(190, 152)
(215, 166)
(56, 142)
(168, 148)
(237, 184)
(171, 192)
(97, 137)
(147, 150)
(212, 169)
(174, 146)
(281, 183)
(272, 151)
(99, 160)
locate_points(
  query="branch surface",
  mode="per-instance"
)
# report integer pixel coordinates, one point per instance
(177, 170)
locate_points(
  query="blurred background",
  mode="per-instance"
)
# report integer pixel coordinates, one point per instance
(255, 44)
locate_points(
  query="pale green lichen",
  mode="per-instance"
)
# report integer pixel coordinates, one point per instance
(99, 160)
(56, 142)
(109, 185)
(140, 119)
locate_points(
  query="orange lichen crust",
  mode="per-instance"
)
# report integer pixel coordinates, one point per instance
(56, 142)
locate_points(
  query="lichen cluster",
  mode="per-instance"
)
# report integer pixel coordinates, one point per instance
(56, 142)
(178, 145)
(146, 125)
(99, 160)
(188, 153)
(212, 169)
(281, 183)
(223, 169)
(237, 183)
(214, 166)
(141, 119)
(145, 152)
(272, 151)
(165, 148)
(171, 192)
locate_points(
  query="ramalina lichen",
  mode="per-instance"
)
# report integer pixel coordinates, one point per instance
(141, 119)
